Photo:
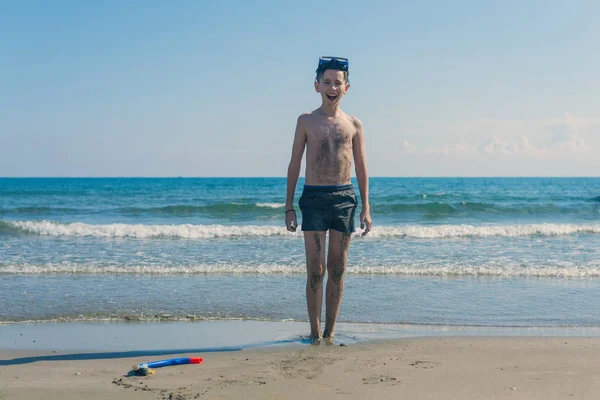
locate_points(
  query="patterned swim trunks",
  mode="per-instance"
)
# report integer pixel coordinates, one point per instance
(328, 207)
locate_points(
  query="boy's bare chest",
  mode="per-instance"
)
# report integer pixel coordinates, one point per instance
(333, 133)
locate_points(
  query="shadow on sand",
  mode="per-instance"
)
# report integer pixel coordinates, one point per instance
(144, 353)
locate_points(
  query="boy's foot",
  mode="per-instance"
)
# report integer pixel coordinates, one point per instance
(329, 340)
(316, 341)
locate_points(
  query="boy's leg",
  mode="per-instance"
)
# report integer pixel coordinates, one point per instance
(314, 244)
(337, 259)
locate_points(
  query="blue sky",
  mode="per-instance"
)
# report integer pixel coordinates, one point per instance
(198, 88)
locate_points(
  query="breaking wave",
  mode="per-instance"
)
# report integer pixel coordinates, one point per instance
(492, 269)
(191, 231)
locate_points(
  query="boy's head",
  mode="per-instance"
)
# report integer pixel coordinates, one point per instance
(333, 63)
(332, 78)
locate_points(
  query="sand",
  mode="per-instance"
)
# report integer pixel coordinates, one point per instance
(417, 368)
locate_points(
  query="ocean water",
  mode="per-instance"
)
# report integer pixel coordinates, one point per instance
(494, 252)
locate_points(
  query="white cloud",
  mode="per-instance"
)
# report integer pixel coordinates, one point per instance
(577, 126)
(453, 148)
(568, 145)
(496, 145)
(552, 139)
(408, 147)
(521, 146)
(574, 145)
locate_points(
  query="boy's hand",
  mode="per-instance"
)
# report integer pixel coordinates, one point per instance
(365, 220)
(291, 222)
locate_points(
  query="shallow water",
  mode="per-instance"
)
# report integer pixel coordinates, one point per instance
(115, 340)
(493, 252)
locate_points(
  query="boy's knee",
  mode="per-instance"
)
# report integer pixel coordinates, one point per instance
(315, 275)
(337, 272)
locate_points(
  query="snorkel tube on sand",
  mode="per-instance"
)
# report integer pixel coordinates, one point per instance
(146, 368)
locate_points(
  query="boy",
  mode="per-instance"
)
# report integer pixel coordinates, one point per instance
(328, 202)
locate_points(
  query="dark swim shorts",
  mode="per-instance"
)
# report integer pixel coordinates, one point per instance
(328, 207)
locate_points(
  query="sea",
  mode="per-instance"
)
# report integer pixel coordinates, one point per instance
(486, 252)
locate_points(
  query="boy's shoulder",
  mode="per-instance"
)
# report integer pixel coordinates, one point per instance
(307, 119)
(307, 115)
(357, 122)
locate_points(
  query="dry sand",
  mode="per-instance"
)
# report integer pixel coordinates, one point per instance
(424, 368)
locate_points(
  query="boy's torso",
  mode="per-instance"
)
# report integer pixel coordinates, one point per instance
(328, 148)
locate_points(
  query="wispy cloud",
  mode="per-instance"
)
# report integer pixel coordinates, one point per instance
(453, 148)
(408, 148)
(563, 137)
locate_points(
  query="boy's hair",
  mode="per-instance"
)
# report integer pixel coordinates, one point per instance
(334, 65)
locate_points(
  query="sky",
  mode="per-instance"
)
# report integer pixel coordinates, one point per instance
(199, 88)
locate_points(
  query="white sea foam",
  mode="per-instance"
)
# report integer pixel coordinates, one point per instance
(271, 205)
(557, 269)
(190, 231)
(142, 318)
(186, 231)
(457, 231)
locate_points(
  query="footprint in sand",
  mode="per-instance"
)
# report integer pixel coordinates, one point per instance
(380, 379)
(424, 364)
(305, 364)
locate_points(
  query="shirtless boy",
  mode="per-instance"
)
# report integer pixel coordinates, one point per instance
(328, 202)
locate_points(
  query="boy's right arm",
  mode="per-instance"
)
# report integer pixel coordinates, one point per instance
(291, 221)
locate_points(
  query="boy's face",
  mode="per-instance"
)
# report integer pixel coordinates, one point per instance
(332, 86)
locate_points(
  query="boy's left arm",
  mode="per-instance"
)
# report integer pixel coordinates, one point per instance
(362, 175)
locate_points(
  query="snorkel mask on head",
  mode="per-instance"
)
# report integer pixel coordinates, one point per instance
(335, 63)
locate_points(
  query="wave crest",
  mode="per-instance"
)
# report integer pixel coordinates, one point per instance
(190, 231)
(562, 270)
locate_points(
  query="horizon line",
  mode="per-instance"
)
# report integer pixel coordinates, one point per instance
(302, 177)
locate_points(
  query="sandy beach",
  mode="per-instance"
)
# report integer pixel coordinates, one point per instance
(416, 368)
